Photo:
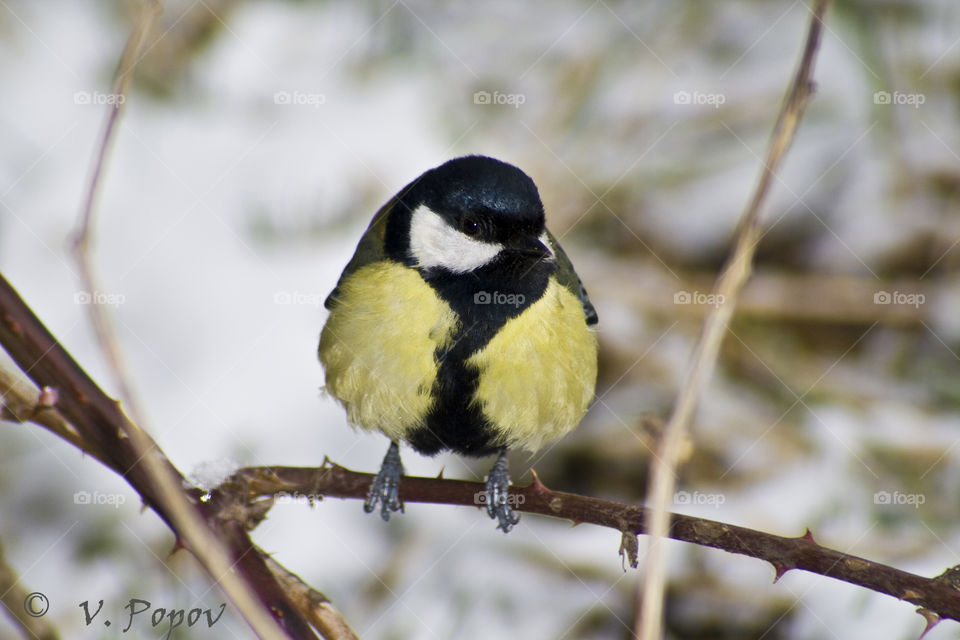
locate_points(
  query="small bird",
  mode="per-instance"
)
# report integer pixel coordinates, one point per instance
(460, 325)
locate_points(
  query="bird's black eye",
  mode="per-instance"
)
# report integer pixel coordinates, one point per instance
(470, 226)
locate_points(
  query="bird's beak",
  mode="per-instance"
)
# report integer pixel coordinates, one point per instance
(529, 247)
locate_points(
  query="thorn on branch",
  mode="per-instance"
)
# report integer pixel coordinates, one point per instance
(931, 618)
(25, 412)
(14, 326)
(537, 486)
(178, 544)
(780, 569)
(48, 398)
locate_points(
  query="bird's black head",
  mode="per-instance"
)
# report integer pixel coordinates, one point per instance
(466, 214)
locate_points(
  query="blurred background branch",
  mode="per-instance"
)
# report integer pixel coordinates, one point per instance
(726, 293)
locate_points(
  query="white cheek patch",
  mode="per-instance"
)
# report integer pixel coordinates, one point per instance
(434, 243)
(545, 241)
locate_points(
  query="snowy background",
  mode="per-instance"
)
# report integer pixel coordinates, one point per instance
(261, 136)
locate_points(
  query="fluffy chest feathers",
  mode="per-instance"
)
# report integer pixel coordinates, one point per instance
(459, 371)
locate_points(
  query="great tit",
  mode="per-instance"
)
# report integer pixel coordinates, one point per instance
(459, 324)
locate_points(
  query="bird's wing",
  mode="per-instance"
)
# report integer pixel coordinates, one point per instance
(567, 276)
(369, 249)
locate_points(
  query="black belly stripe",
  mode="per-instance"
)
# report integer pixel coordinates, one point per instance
(453, 424)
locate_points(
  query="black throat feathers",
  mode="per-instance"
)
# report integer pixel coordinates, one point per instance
(484, 300)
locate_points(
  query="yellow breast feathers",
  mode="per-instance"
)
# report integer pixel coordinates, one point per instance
(375, 366)
(538, 374)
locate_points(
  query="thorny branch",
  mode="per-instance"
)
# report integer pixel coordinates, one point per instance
(101, 427)
(251, 490)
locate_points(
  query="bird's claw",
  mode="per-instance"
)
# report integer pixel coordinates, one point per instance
(385, 487)
(498, 496)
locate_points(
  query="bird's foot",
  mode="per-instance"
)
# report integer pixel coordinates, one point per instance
(385, 487)
(498, 496)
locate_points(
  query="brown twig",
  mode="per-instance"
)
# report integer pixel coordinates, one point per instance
(21, 401)
(253, 487)
(731, 281)
(316, 606)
